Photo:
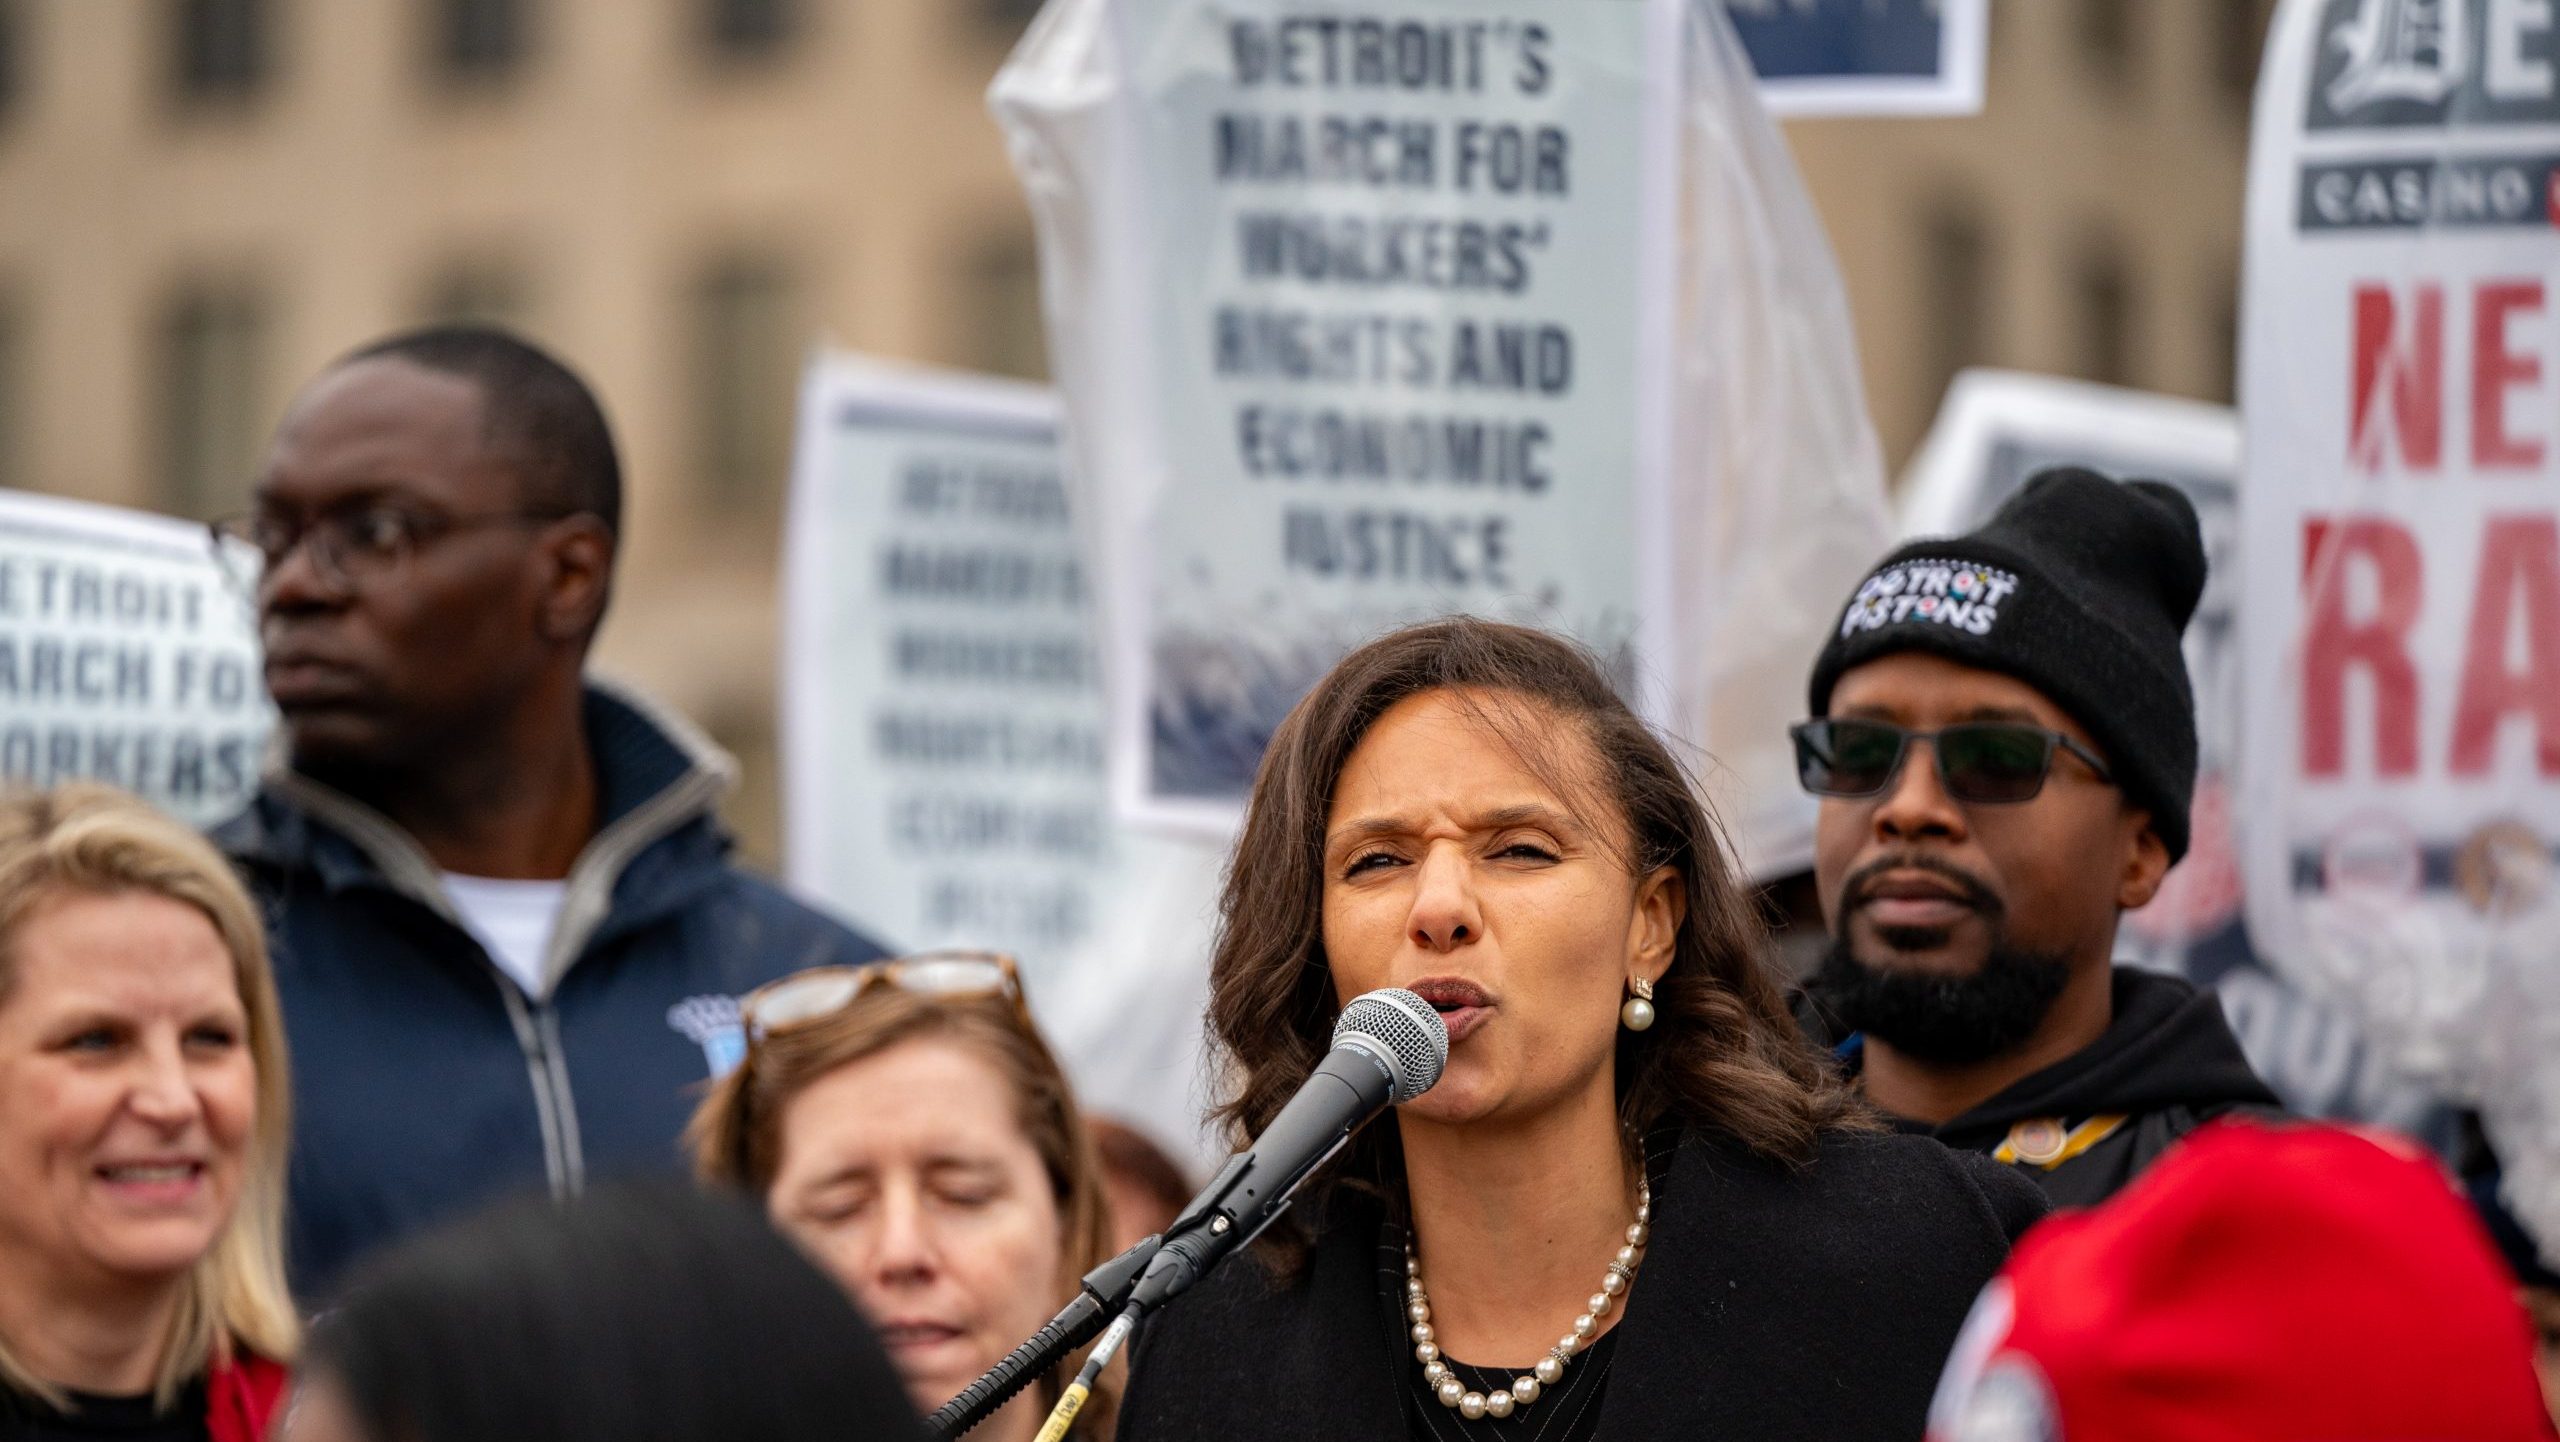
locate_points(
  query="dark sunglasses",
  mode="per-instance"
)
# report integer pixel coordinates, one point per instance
(1979, 761)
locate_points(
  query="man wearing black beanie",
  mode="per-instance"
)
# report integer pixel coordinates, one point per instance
(2004, 743)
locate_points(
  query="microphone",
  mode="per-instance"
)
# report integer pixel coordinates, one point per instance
(1388, 1048)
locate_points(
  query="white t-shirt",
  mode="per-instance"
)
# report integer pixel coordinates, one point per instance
(513, 920)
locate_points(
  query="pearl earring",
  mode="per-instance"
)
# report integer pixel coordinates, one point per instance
(1637, 1014)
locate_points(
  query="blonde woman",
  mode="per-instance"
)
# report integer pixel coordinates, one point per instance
(143, 1118)
(907, 1126)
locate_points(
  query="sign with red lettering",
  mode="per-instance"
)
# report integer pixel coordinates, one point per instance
(1370, 311)
(2401, 542)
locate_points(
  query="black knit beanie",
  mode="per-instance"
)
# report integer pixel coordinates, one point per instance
(2078, 586)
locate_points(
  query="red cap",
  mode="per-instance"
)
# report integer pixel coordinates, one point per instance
(2260, 1284)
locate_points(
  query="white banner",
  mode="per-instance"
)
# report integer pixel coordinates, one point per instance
(126, 656)
(1370, 310)
(1996, 429)
(2401, 540)
(942, 727)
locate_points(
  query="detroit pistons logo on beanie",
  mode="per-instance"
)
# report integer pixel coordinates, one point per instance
(2079, 586)
(1966, 595)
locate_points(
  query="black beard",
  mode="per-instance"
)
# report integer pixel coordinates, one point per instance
(1934, 1017)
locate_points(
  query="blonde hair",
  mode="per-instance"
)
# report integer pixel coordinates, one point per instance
(736, 1134)
(85, 839)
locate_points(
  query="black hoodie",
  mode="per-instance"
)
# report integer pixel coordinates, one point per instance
(2167, 1064)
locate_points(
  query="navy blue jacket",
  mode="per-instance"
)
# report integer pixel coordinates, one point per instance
(426, 1081)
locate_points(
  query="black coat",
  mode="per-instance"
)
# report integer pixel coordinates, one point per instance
(1774, 1303)
(2167, 1064)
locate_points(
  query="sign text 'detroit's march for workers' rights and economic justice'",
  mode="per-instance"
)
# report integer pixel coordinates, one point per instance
(1401, 256)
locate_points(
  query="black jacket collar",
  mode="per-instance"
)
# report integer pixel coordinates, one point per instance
(658, 844)
(2168, 1045)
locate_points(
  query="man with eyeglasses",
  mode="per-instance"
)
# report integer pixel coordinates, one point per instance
(508, 934)
(2004, 744)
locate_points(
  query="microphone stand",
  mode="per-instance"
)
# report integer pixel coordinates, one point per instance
(1362, 1074)
(1130, 1285)
(1106, 1298)
(1103, 1293)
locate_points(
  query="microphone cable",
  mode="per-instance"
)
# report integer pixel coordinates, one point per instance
(1072, 1401)
(1103, 1291)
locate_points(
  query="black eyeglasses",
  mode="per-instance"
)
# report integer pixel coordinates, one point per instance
(1979, 761)
(348, 548)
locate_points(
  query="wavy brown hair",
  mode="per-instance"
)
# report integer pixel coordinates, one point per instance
(736, 1133)
(1723, 1054)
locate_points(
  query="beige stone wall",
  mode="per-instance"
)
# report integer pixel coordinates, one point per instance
(2072, 156)
(594, 187)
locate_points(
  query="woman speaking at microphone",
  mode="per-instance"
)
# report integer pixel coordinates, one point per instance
(1636, 1204)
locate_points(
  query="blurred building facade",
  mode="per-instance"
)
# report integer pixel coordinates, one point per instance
(202, 201)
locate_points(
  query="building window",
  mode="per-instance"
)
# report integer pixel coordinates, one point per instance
(477, 292)
(751, 30)
(1955, 286)
(2106, 37)
(13, 55)
(15, 472)
(2239, 38)
(479, 42)
(212, 352)
(1003, 306)
(222, 50)
(743, 726)
(2222, 340)
(747, 337)
(2101, 313)
(1008, 18)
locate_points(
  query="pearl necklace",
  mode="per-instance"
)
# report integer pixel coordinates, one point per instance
(1550, 1369)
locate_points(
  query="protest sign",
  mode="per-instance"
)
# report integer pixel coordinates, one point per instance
(2400, 538)
(939, 727)
(1371, 311)
(1866, 57)
(942, 726)
(1996, 429)
(126, 656)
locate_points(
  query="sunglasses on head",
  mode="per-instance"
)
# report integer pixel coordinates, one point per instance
(1978, 761)
(822, 991)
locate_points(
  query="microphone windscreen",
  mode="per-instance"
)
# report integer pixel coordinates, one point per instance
(1402, 1030)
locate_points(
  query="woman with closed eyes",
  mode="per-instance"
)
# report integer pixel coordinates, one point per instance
(905, 1123)
(1636, 1204)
